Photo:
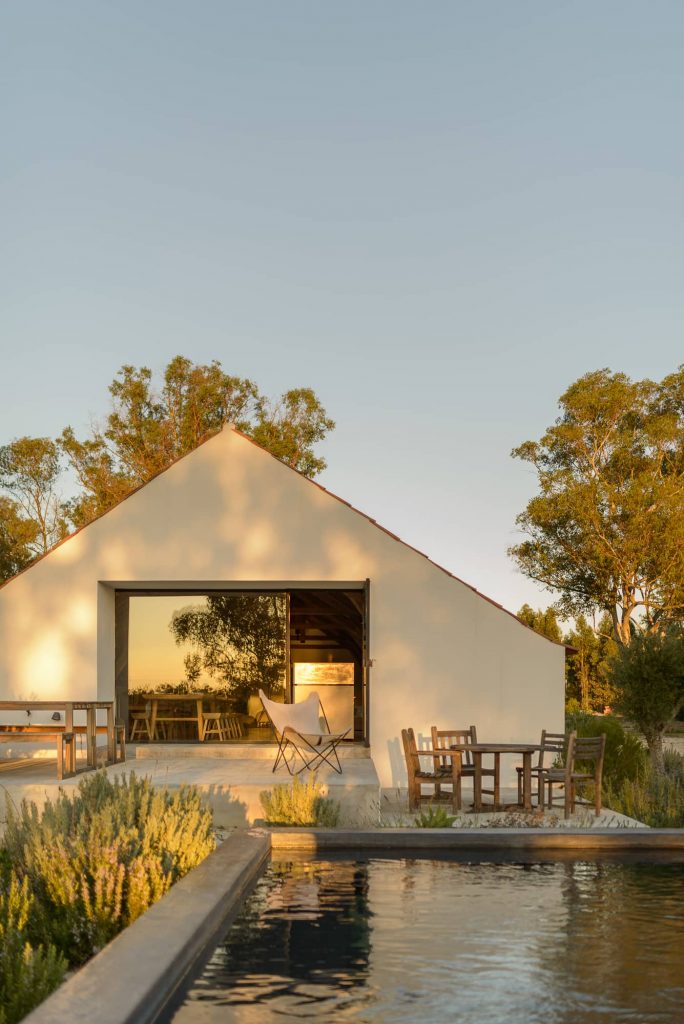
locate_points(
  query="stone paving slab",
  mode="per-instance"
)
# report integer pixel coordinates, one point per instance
(231, 787)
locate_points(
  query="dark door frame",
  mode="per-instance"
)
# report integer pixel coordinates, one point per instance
(123, 593)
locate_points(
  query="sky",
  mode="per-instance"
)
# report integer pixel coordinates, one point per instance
(437, 215)
(154, 658)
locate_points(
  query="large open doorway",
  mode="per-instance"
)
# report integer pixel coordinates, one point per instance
(327, 654)
(189, 664)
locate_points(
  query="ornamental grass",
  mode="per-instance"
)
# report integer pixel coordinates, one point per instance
(300, 803)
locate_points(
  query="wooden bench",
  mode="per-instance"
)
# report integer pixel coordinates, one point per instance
(66, 749)
(66, 743)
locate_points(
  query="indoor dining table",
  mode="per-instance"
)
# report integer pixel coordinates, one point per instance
(478, 750)
(195, 707)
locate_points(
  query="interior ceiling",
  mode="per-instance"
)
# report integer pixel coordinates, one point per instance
(327, 620)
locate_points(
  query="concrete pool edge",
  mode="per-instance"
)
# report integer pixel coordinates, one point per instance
(134, 976)
(131, 979)
(397, 839)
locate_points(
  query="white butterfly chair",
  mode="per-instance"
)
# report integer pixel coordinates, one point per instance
(298, 726)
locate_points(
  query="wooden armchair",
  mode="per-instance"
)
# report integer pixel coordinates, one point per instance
(447, 772)
(584, 753)
(552, 744)
(442, 740)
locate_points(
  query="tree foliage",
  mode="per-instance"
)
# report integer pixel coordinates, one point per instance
(606, 528)
(18, 536)
(148, 428)
(29, 471)
(543, 621)
(649, 678)
(589, 678)
(588, 682)
(240, 639)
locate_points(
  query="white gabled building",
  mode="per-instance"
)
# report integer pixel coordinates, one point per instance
(425, 647)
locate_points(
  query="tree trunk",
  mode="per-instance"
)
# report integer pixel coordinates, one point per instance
(655, 749)
(584, 686)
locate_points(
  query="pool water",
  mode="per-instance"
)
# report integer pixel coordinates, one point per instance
(418, 940)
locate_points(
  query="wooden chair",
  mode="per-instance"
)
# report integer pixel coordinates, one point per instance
(140, 718)
(445, 768)
(232, 725)
(212, 725)
(552, 744)
(583, 752)
(442, 740)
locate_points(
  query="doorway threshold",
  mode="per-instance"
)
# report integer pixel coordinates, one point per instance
(237, 751)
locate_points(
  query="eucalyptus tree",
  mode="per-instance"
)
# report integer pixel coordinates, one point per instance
(18, 535)
(29, 474)
(605, 530)
(149, 427)
(542, 620)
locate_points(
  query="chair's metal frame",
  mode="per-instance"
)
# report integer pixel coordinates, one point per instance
(307, 749)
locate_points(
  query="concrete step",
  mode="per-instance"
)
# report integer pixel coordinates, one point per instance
(231, 751)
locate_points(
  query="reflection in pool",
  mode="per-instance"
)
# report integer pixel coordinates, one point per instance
(447, 940)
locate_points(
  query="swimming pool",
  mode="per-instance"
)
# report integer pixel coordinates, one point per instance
(383, 939)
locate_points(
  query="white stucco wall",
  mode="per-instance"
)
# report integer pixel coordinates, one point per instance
(229, 514)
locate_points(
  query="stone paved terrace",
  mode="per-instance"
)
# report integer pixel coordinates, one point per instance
(231, 782)
(233, 777)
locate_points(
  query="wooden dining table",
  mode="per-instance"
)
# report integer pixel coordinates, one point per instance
(479, 750)
(195, 709)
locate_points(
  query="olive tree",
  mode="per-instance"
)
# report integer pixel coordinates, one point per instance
(649, 679)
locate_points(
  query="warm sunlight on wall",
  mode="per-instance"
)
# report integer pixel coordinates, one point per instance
(45, 666)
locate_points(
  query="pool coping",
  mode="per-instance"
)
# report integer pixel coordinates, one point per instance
(608, 839)
(134, 976)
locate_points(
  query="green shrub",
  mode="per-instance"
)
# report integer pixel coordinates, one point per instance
(27, 975)
(656, 798)
(300, 803)
(96, 862)
(434, 817)
(572, 707)
(625, 757)
(673, 763)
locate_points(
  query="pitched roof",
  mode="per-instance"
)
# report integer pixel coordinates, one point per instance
(314, 483)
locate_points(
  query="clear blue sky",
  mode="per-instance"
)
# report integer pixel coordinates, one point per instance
(438, 215)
